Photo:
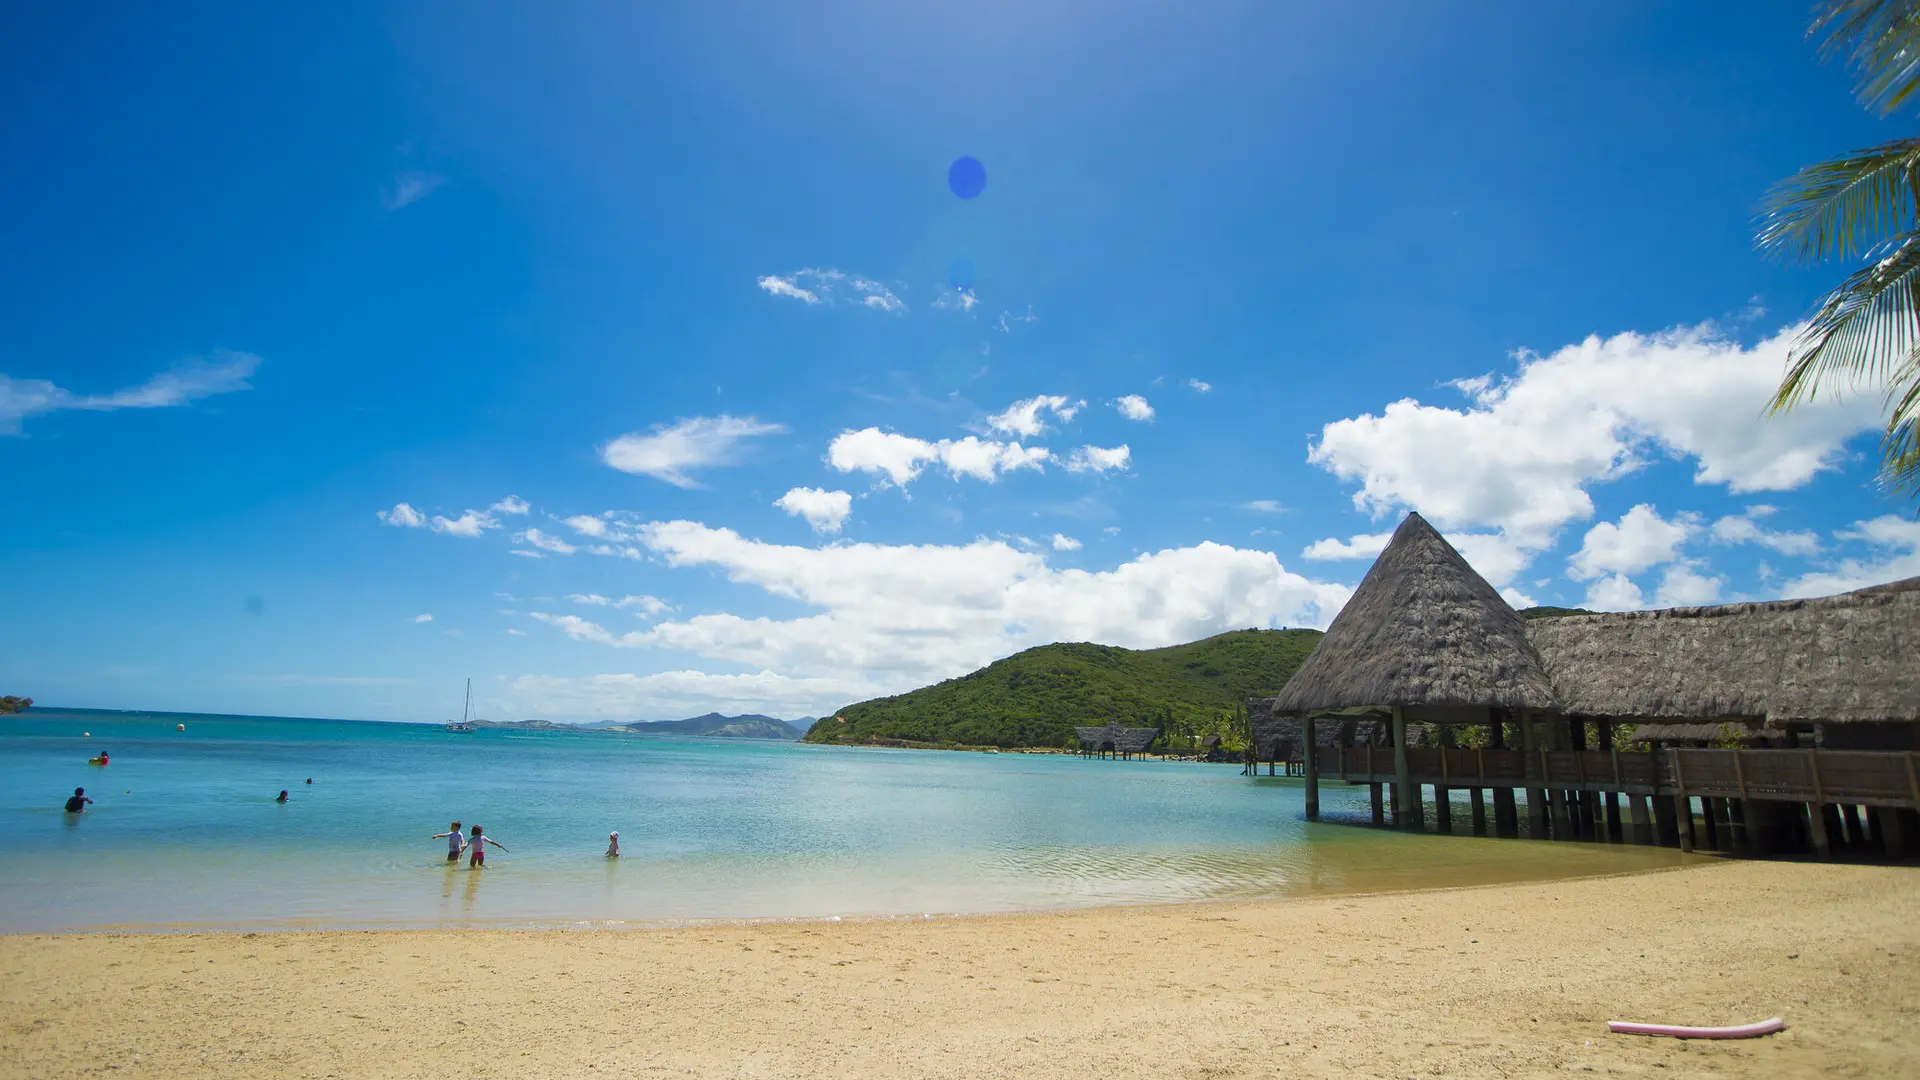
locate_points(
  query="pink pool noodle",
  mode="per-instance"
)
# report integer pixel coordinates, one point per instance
(1742, 1031)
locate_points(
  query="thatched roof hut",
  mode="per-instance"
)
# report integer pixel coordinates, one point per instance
(1121, 740)
(1423, 631)
(1701, 733)
(1834, 660)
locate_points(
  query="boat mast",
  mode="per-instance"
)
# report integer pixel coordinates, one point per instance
(468, 707)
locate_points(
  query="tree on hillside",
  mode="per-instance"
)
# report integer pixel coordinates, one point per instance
(12, 704)
(1863, 204)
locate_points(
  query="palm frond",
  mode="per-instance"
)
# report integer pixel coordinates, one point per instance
(1900, 446)
(1880, 39)
(1842, 205)
(1864, 330)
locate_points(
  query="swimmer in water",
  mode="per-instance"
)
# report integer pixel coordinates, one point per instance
(456, 843)
(478, 852)
(78, 804)
(101, 760)
(282, 796)
(613, 845)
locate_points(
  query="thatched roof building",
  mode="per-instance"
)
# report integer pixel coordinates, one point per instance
(1120, 740)
(1833, 660)
(1425, 632)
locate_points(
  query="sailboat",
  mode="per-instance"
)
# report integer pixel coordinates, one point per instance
(461, 724)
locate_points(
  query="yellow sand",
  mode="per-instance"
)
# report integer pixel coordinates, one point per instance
(1514, 980)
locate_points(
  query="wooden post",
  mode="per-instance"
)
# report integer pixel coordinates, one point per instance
(1682, 806)
(1536, 795)
(1856, 830)
(1442, 792)
(1642, 830)
(1313, 773)
(1406, 799)
(1616, 833)
(1738, 815)
(1478, 810)
(1666, 825)
(1506, 821)
(1373, 798)
(1710, 812)
(1820, 816)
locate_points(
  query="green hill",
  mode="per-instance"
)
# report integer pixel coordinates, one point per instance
(1547, 612)
(1034, 698)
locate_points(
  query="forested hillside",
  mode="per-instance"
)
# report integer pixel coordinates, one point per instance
(1035, 698)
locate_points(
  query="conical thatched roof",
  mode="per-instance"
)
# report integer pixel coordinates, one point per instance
(1423, 629)
(1125, 740)
(1836, 659)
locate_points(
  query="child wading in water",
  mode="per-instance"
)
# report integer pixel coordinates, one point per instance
(455, 842)
(613, 845)
(478, 844)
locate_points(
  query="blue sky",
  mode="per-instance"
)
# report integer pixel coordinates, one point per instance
(611, 356)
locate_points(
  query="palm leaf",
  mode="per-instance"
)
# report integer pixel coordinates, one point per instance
(1864, 329)
(1878, 38)
(1839, 206)
(1900, 446)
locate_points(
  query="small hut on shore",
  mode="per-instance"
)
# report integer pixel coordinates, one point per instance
(1112, 740)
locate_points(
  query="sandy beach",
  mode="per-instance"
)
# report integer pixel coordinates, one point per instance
(1514, 980)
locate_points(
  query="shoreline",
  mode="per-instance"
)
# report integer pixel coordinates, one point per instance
(1465, 980)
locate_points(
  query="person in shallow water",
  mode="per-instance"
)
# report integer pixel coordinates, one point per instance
(78, 804)
(613, 845)
(282, 797)
(456, 843)
(478, 844)
(101, 760)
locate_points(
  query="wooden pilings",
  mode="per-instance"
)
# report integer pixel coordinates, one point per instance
(1313, 773)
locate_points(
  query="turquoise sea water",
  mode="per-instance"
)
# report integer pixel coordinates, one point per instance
(185, 832)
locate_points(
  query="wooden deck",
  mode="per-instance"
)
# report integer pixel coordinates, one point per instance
(1858, 777)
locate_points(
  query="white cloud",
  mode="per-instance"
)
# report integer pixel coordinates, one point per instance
(673, 694)
(668, 452)
(410, 186)
(512, 504)
(1008, 318)
(586, 525)
(649, 605)
(1516, 599)
(1614, 593)
(516, 631)
(1364, 546)
(900, 458)
(829, 286)
(402, 516)
(1197, 384)
(1265, 506)
(1521, 455)
(589, 599)
(545, 542)
(825, 511)
(1745, 528)
(901, 616)
(1099, 459)
(955, 300)
(1682, 586)
(1894, 541)
(1641, 538)
(186, 382)
(470, 524)
(525, 554)
(1022, 418)
(1062, 542)
(1134, 407)
(422, 618)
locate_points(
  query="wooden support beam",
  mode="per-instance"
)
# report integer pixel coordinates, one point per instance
(1666, 822)
(1682, 806)
(1408, 799)
(1443, 792)
(1821, 818)
(1536, 794)
(1373, 799)
(1642, 829)
(1478, 809)
(1616, 832)
(1313, 774)
(1856, 829)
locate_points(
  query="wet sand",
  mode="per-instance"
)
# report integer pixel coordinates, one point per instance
(1509, 980)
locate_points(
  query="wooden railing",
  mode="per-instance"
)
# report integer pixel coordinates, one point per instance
(1864, 777)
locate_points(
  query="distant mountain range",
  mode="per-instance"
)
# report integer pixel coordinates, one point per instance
(712, 725)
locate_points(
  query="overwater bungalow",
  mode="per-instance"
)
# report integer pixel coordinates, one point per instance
(1112, 740)
(1822, 696)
